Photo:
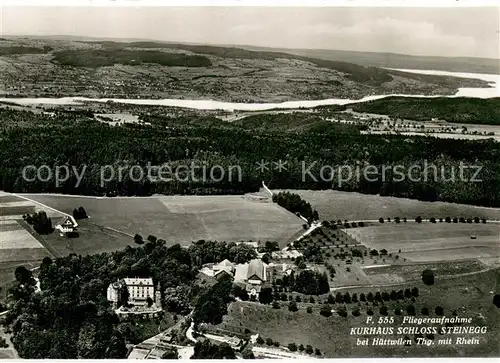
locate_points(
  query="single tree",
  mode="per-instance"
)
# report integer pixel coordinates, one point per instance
(496, 300)
(383, 310)
(138, 239)
(439, 311)
(292, 306)
(428, 277)
(326, 310)
(410, 310)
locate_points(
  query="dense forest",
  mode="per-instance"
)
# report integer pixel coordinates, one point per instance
(107, 57)
(71, 317)
(459, 110)
(21, 49)
(78, 141)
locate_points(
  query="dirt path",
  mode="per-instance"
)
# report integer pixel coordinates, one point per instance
(113, 230)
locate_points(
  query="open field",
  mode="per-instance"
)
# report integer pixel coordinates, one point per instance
(18, 244)
(6, 198)
(17, 247)
(432, 241)
(183, 219)
(470, 296)
(451, 254)
(412, 271)
(333, 205)
(357, 275)
(92, 239)
(12, 205)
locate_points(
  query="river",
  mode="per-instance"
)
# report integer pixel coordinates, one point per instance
(494, 91)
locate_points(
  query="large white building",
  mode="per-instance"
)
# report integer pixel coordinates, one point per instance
(139, 290)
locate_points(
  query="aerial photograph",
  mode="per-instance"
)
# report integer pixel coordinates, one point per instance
(245, 182)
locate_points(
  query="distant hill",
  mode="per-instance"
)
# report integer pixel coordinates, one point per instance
(152, 69)
(394, 60)
(367, 59)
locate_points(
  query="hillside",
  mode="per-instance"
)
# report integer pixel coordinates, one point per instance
(36, 67)
(393, 60)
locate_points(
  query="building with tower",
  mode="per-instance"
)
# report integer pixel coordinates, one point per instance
(143, 298)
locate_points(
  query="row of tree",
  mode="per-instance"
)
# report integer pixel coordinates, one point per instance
(419, 219)
(40, 222)
(346, 298)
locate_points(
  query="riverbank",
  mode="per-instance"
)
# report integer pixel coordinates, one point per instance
(200, 104)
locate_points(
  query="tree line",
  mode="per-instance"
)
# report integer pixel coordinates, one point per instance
(295, 204)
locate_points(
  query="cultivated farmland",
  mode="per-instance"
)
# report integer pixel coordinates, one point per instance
(333, 205)
(17, 244)
(432, 241)
(17, 247)
(12, 205)
(183, 219)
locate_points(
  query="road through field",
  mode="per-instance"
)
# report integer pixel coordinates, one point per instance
(43, 205)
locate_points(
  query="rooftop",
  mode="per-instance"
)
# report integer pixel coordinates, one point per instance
(225, 263)
(68, 221)
(137, 281)
(256, 267)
